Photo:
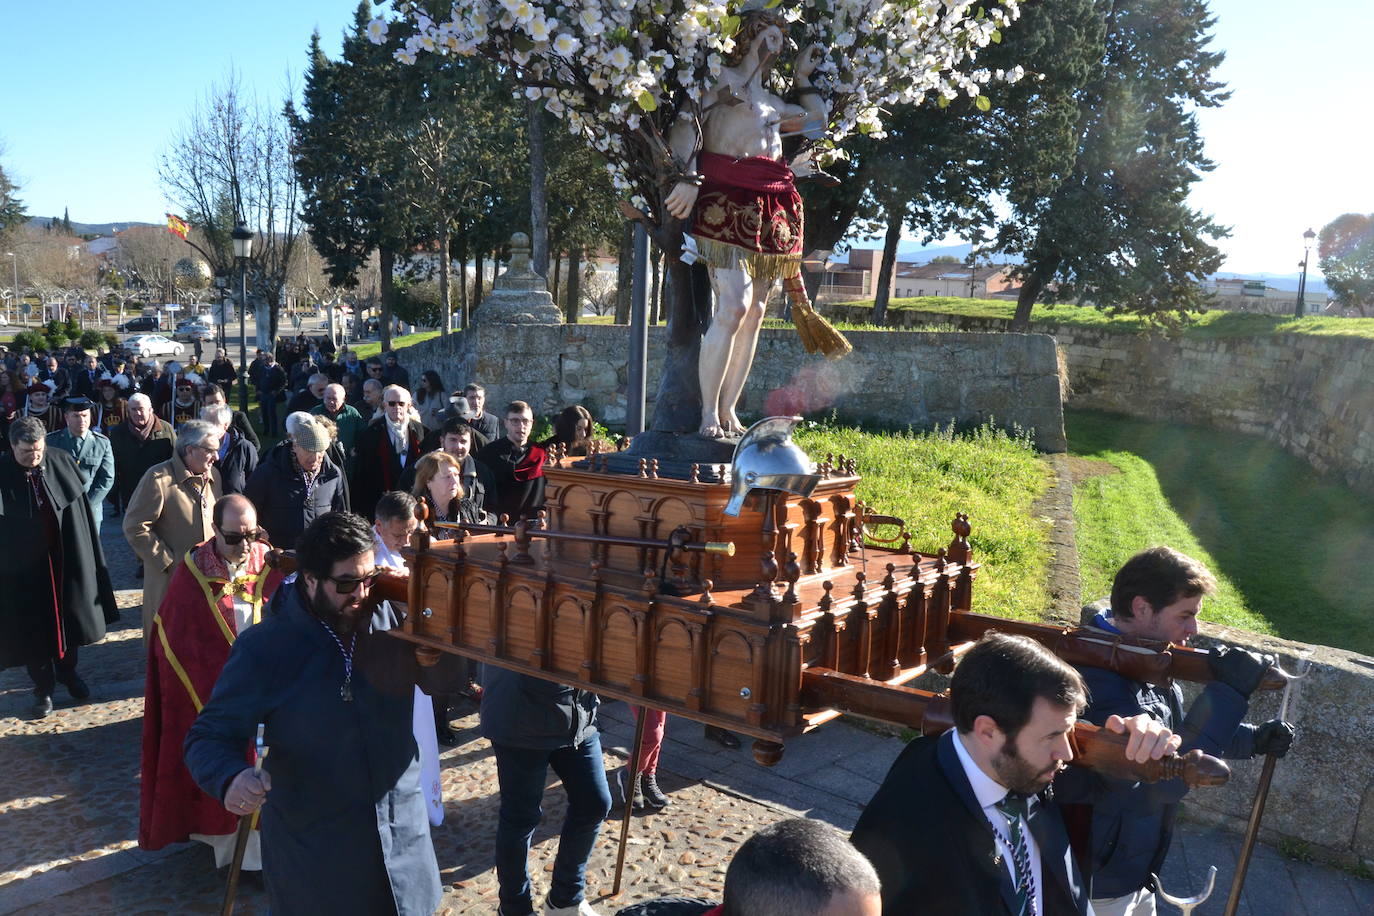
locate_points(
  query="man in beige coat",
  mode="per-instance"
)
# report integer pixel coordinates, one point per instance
(170, 510)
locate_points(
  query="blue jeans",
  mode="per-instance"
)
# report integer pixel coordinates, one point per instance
(522, 773)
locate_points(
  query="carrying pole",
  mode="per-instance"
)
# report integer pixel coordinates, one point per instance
(629, 800)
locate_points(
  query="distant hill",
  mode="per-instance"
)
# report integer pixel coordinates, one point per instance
(41, 222)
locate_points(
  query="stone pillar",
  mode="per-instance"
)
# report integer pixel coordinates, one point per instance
(519, 296)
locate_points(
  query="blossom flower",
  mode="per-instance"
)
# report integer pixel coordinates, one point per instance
(376, 31)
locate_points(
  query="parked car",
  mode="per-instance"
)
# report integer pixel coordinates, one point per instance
(193, 330)
(146, 345)
(141, 323)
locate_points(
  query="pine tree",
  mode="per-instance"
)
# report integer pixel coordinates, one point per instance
(1117, 230)
(66, 222)
(11, 207)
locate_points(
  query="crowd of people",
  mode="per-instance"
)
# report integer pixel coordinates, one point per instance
(351, 789)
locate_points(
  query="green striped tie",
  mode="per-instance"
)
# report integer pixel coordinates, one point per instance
(1014, 808)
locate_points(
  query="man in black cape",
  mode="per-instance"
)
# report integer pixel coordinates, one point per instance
(517, 467)
(57, 592)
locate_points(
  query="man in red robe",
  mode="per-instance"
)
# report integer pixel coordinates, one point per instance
(218, 590)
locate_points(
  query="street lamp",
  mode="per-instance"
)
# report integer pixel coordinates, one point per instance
(15, 296)
(1307, 239)
(243, 250)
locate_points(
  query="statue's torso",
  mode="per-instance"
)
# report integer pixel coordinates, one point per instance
(748, 128)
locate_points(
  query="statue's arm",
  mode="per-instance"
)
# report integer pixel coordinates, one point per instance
(810, 114)
(685, 142)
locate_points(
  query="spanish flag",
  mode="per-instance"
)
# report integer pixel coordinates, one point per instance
(177, 226)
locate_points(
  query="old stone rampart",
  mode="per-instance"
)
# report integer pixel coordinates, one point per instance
(1311, 395)
(895, 380)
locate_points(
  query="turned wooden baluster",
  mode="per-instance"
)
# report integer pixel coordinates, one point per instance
(862, 615)
(522, 544)
(828, 646)
(768, 564)
(937, 628)
(791, 572)
(890, 622)
(696, 473)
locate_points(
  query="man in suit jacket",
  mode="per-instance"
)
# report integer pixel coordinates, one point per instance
(385, 448)
(961, 824)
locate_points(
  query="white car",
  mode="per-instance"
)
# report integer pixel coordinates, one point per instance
(146, 345)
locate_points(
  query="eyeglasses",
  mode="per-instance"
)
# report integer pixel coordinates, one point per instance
(234, 538)
(397, 404)
(348, 586)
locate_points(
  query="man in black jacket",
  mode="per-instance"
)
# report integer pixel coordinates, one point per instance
(959, 824)
(57, 593)
(296, 483)
(517, 466)
(533, 725)
(273, 382)
(221, 372)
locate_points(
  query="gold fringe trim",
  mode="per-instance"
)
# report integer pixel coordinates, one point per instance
(759, 266)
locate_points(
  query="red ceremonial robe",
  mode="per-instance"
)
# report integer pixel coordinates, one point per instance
(191, 637)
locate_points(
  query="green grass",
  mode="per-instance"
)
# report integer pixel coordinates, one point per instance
(1288, 548)
(1211, 324)
(925, 477)
(375, 348)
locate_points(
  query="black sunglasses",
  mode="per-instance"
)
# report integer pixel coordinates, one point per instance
(349, 586)
(234, 538)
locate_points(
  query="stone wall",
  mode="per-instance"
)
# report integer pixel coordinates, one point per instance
(917, 379)
(1309, 394)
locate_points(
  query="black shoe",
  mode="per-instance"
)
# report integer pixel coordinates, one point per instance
(77, 688)
(637, 801)
(42, 706)
(648, 784)
(446, 736)
(722, 737)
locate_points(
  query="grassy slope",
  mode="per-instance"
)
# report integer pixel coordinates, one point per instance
(364, 350)
(925, 478)
(1288, 547)
(1211, 324)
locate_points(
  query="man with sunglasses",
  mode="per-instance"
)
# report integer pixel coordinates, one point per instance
(384, 449)
(344, 826)
(218, 591)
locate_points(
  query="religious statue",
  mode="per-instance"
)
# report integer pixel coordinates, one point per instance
(745, 213)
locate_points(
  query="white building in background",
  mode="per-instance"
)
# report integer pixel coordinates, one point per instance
(1237, 294)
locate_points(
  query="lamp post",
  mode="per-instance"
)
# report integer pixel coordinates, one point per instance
(14, 259)
(1307, 239)
(243, 250)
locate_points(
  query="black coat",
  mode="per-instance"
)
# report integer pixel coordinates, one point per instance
(238, 463)
(133, 456)
(934, 851)
(87, 598)
(278, 492)
(222, 373)
(376, 466)
(513, 498)
(245, 428)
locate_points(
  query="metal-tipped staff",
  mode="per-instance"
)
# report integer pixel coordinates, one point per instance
(1188, 904)
(1262, 793)
(245, 828)
(629, 800)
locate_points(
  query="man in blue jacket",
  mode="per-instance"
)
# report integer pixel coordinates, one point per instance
(1156, 595)
(534, 725)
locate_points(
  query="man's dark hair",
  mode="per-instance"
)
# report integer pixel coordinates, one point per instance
(1160, 575)
(27, 429)
(1002, 676)
(794, 868)
(455, 425)
(330, 538)
(398, 505)
(210, 389)
(474, 388)
(518, 407)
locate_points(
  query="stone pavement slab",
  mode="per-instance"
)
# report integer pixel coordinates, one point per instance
(69, 809)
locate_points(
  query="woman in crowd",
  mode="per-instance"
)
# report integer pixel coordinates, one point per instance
(11, 395)
(431, 399)
(110, 408)
(572, 429)
(439, 485)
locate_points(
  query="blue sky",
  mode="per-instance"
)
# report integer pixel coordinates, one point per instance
(90, 93)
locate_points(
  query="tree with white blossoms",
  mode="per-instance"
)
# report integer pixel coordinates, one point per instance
(621, 73)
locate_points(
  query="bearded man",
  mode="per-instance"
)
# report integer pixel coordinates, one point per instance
(217, 592)
(57, 593)
(1001, 848)
(384, 449)
(344, 828)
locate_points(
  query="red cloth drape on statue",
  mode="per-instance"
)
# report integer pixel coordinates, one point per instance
(191, 639)
(751, 203)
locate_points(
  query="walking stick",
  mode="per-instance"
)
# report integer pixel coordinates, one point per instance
(245, 827)
(1188, 904)
(629, 801)
(1261, 796)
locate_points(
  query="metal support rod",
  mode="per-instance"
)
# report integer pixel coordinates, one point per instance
(243, 335)
(637, 389)
(629, 800)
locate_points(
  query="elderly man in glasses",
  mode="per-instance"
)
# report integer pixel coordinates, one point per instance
(388, 445)
(344, 827)
(218, 590)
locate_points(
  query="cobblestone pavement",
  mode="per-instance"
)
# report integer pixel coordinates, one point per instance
(69, 809)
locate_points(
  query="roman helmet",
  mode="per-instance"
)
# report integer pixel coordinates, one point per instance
(767, 459)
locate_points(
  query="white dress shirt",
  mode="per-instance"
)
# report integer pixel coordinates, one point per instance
(989, 792)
